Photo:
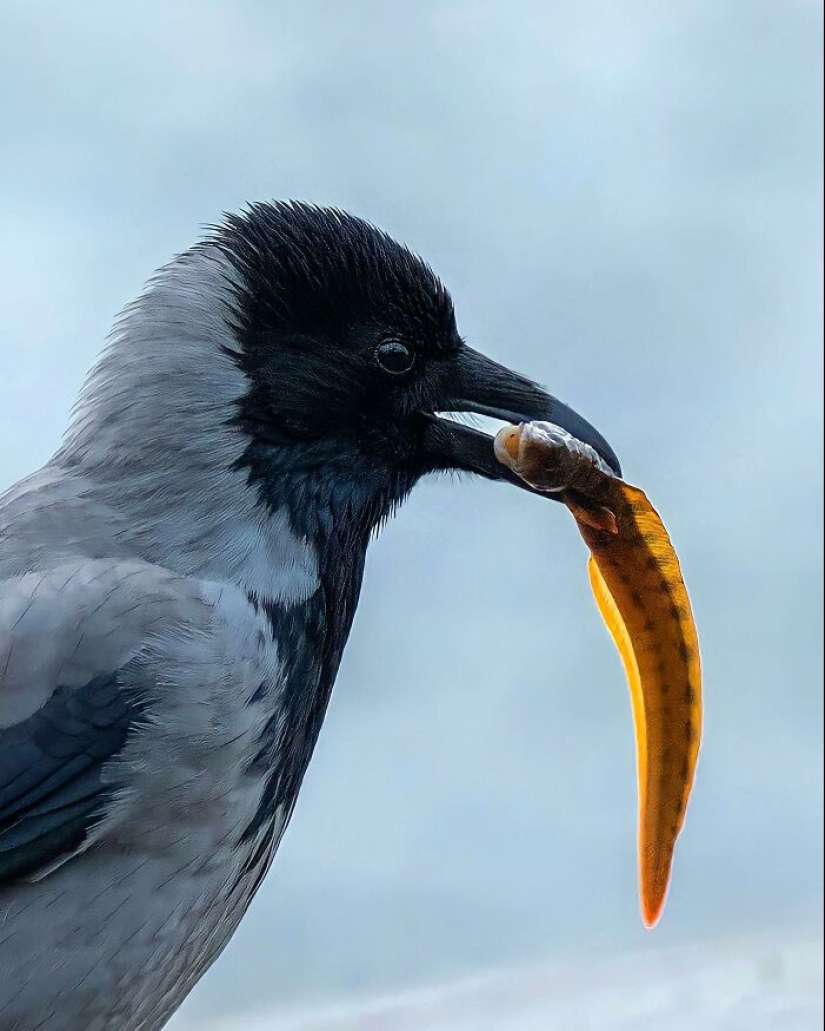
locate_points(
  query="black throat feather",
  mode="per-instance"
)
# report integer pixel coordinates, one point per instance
(338, 515)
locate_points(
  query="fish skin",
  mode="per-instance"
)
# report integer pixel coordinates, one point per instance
(641, 594)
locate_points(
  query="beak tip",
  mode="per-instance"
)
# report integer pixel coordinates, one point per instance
(577, 426)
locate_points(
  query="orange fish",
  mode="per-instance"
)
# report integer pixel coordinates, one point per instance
(638, 585)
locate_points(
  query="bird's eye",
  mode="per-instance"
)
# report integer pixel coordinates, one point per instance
(394, 357)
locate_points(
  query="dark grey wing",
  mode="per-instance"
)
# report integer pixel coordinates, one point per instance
(67, 638)
(52, 791)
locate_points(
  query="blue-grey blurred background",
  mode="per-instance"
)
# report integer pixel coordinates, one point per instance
(626, 202)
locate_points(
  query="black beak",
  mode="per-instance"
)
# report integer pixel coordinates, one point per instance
(484, 387)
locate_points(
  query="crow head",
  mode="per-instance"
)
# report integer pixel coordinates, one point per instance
(350, 347)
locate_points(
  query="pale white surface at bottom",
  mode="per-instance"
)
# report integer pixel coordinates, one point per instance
(758, 984)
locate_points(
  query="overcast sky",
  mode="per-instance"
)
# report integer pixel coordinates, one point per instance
(625, 200)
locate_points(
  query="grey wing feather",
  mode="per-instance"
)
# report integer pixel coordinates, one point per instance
(66, 637)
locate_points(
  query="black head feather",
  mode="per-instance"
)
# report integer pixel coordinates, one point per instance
(331, 435)
(320, 271)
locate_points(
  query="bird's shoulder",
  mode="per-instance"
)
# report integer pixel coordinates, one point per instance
(66, 624)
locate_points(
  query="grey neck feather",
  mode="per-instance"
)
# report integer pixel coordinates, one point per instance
(152, 436)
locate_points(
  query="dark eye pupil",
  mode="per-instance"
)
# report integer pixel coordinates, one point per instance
(394, 357)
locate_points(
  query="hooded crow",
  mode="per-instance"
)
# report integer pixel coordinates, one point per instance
(178, 582)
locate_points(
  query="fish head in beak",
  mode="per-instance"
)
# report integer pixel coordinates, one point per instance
(477, 385)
